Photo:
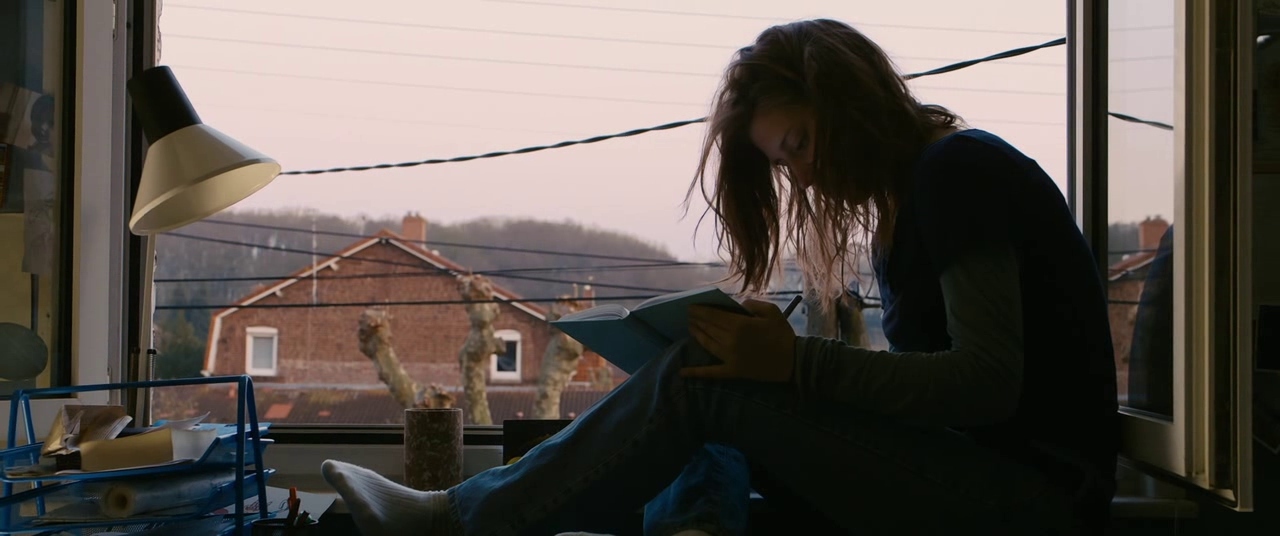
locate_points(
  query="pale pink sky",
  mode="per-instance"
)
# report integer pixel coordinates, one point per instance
(455, 78)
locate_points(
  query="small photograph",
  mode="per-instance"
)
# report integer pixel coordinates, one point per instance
(6, 167)
(27, 120)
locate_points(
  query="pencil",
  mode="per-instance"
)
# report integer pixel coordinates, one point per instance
(791, 307)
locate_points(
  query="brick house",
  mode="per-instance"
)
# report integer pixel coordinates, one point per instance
(296, 346)
(1125, 281)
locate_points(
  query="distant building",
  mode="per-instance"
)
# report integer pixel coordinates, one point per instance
(1125, 282)
(275, 336)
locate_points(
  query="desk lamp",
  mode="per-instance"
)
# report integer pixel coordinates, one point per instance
(191, 171)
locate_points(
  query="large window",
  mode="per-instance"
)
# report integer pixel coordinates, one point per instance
(1165, 200)
(35, 197)
(332, 258)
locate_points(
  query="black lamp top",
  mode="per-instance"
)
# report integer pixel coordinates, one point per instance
(160, 104)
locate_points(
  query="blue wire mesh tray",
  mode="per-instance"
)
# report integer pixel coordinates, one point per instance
(77, 505)
(73, 499)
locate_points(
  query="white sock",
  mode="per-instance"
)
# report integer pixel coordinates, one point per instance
(381, 507)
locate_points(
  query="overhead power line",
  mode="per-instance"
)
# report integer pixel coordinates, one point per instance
(549, 95)
(442, 243)
(441, 87)
(994, 57)
(869, 303)
(444, 56)
(518, 33)
(1125, 117)
(476, 59)
(419, 265)
(757, 17)
(389, 303)
(463, 29)
(396, 275)
(677, 124)
(535, 34)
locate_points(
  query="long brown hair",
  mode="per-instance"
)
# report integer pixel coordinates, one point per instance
(868, 128)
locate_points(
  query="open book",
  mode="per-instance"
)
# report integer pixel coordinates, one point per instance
(630, 338)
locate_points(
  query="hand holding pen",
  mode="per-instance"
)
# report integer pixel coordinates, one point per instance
(758, 347)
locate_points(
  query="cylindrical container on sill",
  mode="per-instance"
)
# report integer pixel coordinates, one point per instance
(432, 448)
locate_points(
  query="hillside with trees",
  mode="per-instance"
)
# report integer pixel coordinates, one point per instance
(217, 262)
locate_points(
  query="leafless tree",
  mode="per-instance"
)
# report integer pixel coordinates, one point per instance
(376, 344)
(479, 345)
(559, 363)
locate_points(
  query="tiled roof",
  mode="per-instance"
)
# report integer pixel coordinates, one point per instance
(322, 405)
(1130, 264)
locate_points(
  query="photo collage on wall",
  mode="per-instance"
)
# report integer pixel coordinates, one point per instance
(27, 182)
(4, 171)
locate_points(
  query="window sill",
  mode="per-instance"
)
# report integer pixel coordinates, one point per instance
(299, 465)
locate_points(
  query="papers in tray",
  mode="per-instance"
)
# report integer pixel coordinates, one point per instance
(170, 443)
(75, 424)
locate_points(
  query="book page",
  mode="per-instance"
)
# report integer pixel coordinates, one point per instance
(669, 314)
(608, 311)
(625, 342)
(674, 296)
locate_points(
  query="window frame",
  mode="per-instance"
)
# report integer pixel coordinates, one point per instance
(1189, 449)
(505, 376)
(1208, 442)
(252, 332)
(94, 60)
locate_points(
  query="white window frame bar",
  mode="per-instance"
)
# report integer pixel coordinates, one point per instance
(499, 376)
(261, 331)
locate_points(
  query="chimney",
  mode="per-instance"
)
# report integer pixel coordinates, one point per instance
(414, 227)
(1150, 231)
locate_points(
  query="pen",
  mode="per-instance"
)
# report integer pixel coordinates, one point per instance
(791, 307)
(294, 505)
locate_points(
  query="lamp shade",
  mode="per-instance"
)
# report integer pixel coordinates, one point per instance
(191, 171)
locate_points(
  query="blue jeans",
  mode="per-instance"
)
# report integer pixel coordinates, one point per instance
(869, 474)
(712, 494)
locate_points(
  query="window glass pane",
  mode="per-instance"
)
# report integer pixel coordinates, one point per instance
(263, 353)
(1140, 176)
(507, 360)
(327, 255)
(34, 294)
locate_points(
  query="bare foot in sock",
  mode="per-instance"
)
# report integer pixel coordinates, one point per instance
(382, 507)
